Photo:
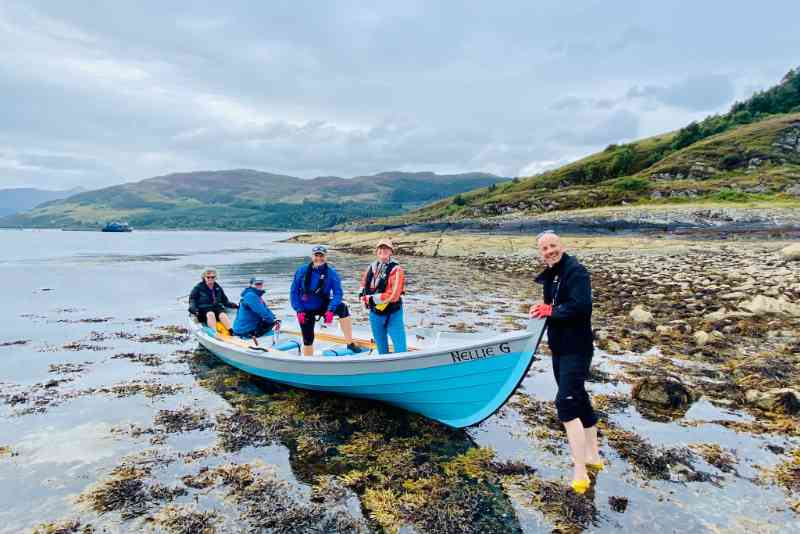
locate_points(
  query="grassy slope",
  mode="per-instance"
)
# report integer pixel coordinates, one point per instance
(246, 199)
(713, 170)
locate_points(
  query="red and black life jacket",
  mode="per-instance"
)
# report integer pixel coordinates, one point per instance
(380, 286)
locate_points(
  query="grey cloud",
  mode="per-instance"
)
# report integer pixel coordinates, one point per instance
(698, 93)
(346, 88)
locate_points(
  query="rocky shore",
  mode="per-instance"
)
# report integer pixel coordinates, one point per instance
(677, 319)
(657, 218)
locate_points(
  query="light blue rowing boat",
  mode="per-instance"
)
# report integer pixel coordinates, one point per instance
(457, 379)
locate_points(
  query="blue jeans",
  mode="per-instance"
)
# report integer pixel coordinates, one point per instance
(385, 326)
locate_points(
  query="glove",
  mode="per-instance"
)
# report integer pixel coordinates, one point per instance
(277, 325)
(301, 317)
(543, 310)
(328, 317)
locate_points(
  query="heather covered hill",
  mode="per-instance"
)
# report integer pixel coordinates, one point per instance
(749, 155)
(249, 199)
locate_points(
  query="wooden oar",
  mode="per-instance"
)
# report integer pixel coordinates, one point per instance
(333, 337)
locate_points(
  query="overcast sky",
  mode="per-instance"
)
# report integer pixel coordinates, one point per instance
(97, 93)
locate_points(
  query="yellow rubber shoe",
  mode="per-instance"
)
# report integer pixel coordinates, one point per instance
(580, 486)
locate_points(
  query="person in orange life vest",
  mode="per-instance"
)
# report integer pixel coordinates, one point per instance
(382, 293)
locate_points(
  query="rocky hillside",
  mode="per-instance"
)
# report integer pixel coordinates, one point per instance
(749, 155)
(248, 199)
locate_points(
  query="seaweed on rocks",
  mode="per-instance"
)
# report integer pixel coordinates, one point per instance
(269, 503)
(150, 360)
(651, 461)
(67, 368)
(66, 526)
(184, 419)
(569, 511)
(618, 504)
(186, 520)
(78, 346)
(148, 389)
(18, 342)
(126, 492)
(715, 455)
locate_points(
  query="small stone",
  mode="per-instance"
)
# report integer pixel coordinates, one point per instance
(701, 338)
(613, 346)
(664, 330)
(640, 315)
(717, 315)
(785, 400)
(791, 252)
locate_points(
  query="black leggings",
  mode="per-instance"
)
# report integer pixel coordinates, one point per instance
(572, 400)
(307, 328)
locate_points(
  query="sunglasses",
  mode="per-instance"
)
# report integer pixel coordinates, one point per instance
(210, 277)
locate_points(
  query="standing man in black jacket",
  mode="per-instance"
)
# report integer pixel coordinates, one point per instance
(208, 301)
(568, 309)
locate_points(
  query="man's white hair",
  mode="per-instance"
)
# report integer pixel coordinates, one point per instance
(546, 233)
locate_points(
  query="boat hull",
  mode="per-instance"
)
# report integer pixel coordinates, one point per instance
(458, 385)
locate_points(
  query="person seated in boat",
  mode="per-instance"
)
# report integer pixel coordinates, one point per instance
(317, 292)
(208, 302)
(382, 288)
(254, 318)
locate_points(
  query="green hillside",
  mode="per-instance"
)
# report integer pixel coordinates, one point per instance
(247, 199)
(751, 153)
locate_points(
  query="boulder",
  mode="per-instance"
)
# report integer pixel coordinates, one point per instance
(791, 252)
(664, 330)
(640, 315)
(767, 305)
(785, 400)
(665, 392)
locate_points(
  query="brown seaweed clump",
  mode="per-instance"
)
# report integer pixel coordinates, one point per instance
(570, 512)
(182, 420)
(618, 504)
(268, 503)
(148, 389)
(713, 454)
(652, 462)
(67, 526)
(185, 520)
(127, 493)
(167, 335)
(151, 360)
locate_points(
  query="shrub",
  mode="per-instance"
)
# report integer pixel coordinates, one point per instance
(458, 200)
(631, 183)
(730, 195)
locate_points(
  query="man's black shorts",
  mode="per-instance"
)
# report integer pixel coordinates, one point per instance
(201, 315)
(307, 327)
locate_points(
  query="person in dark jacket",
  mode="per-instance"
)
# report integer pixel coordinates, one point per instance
(568, 309)
(208, 301)
(317, 292)
(254, 318)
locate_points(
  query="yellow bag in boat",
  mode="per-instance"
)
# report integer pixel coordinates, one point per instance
(221, 329)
